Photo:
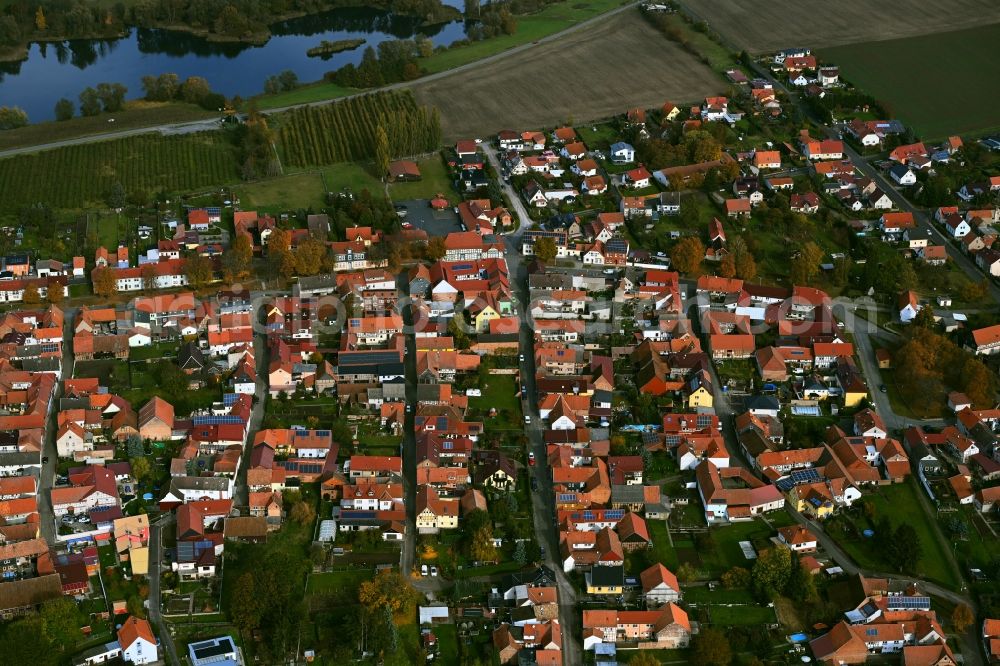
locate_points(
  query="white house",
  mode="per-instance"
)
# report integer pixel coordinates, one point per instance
(137, 641)
(903, 174)
(956, 226)
(622, 153)
(909, 306)
(659, 586)
(139, 338)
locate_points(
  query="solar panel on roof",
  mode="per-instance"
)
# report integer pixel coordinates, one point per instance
(588, 515)
(909, 602)
(804, 475)
(322, 433)
(614, 514)
(217, 648)
(566, 497)
(217, 419)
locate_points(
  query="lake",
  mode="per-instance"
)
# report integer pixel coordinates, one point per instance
(63, 69)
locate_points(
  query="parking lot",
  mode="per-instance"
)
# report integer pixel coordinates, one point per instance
(435, 222)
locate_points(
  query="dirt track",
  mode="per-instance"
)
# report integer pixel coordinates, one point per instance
(776, 24)
(587, 75)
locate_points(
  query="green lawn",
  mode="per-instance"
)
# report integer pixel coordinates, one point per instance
(726, 552)
(598, 137)
(156, 351)
(553, 18)
(500, 393)
(951, 64)
(718, 57)
(314, 92)
(700, 594)
(434, 179)
(980, 547)
(355, 177)
(661, 551)
(137, 113)
(107, 231)
(300, 190)
(331, 580)
(447, 643)
(736, 616)
(900, 504)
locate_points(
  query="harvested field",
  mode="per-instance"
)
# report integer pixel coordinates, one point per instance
(590, 74)
(944, 66)
(760, 27)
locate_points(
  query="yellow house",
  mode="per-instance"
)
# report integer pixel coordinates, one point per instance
(434, 514)
(812, 500)
(606, 580)
(701, 397)
(481, 320)
(700, 390)
(854, 398)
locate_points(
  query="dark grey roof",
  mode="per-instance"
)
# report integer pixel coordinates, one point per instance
(604, 576)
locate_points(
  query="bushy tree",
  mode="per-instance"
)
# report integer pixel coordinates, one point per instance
(112, 96)
(194, 89)
(687, 255)
(710, 647)
(64, 109)
(12, 117)
(90, 102)
(545, 249)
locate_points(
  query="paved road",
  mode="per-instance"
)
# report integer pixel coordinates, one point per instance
(862, 329)
(212, 124)
(542, 501)
(407, 556)
(48, 472)
(155, 569)
(520, 211)
(241, 493)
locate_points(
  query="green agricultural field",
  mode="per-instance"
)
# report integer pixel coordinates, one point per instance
(79, 175)
(923, 80)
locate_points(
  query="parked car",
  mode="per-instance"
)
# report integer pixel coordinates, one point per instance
(423, 569)
(434, 571)
(531, 459)
(527, 419)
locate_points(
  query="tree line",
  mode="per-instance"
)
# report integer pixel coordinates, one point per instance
(928, 363)
(22, 21)
(347, 131)
(398, 60)
(193, 90)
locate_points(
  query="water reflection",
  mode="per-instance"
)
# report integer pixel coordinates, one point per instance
(66, 68)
